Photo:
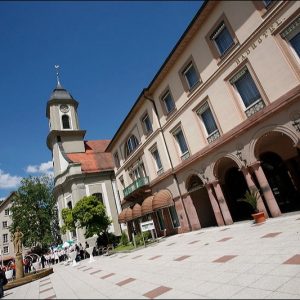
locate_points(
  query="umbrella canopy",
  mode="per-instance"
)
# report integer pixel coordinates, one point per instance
(66, 244)
(70, 242)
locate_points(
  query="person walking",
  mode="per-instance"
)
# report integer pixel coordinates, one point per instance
(3, 282)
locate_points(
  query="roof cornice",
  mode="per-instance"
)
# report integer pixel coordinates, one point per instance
(204, 11)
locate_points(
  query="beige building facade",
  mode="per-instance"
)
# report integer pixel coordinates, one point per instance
(220, 117)
(6, 245)
(81, 168)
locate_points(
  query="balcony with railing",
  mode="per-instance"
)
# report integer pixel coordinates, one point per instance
(137, 188)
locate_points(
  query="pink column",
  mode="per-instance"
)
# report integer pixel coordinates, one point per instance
(215, 205)
(222, 202)
(265, 188)
(252, 187)
(184, 223)
(191, 212)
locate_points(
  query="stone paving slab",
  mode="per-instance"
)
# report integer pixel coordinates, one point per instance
(240, 261)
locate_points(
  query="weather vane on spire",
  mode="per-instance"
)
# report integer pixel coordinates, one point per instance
(57, 73)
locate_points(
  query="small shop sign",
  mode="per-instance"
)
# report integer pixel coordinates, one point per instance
(149, 225)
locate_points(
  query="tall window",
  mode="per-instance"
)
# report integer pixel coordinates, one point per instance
(65, 122)
(6, 212)
(4, 224)
(5, 249)
(5, 238)
(137, 172)
(157, 160)
(174, 216)
(295, 42)
(222, 38)
(147, 124)
(191, 75)
(292, 35)
(246, 87)
(160, 218)
(168, 101)
(131, 145)
(207, 118)
(117, 160)
(178, 134)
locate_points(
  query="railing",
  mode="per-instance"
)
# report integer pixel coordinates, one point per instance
(255, 107)
(135, 185)
(213, 136)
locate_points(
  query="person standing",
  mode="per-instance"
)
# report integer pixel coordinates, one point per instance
(86, 254)
(43, 260)
(3, 282)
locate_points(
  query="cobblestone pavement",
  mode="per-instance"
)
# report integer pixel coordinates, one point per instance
(239, 261)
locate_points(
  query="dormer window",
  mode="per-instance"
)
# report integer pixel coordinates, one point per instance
(65, 122)
(131, 145)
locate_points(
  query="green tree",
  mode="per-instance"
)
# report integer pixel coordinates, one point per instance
(89, 213)
(34, 211)
(67, 217)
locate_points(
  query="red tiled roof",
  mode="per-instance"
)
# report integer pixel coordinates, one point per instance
(94, 159)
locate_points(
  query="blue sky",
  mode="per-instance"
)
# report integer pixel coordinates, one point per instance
(108, 51)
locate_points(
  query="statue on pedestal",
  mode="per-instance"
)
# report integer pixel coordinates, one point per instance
(17, 240)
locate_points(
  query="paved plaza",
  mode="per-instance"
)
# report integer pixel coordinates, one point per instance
(230, 262)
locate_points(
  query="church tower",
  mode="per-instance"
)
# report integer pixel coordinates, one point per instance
(81, 168)
(64, 128)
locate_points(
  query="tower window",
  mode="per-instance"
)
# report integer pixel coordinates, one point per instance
(65, 122)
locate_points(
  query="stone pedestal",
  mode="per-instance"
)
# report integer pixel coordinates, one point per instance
(90, 252)
(73, 255)
(19, 266)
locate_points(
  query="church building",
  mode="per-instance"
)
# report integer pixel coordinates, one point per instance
(81, 168)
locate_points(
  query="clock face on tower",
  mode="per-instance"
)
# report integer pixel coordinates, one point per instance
(64, 108)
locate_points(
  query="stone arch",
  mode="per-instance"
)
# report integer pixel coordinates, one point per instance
(214, 162)
(190, 174)
(280, 165)
(267, 129)
(234, 186)
(201, 201)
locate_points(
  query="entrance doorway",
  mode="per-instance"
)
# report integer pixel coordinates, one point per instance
(201, 201)
(281, 181)
(235, 189)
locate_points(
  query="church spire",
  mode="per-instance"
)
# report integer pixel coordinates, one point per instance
(58, 86)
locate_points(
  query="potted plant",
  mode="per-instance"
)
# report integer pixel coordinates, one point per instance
(252, 197)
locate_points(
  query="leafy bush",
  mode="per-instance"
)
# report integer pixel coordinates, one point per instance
(138, 239)
(251, 197)
(124, 239)
(106, 238)
(147, 235)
